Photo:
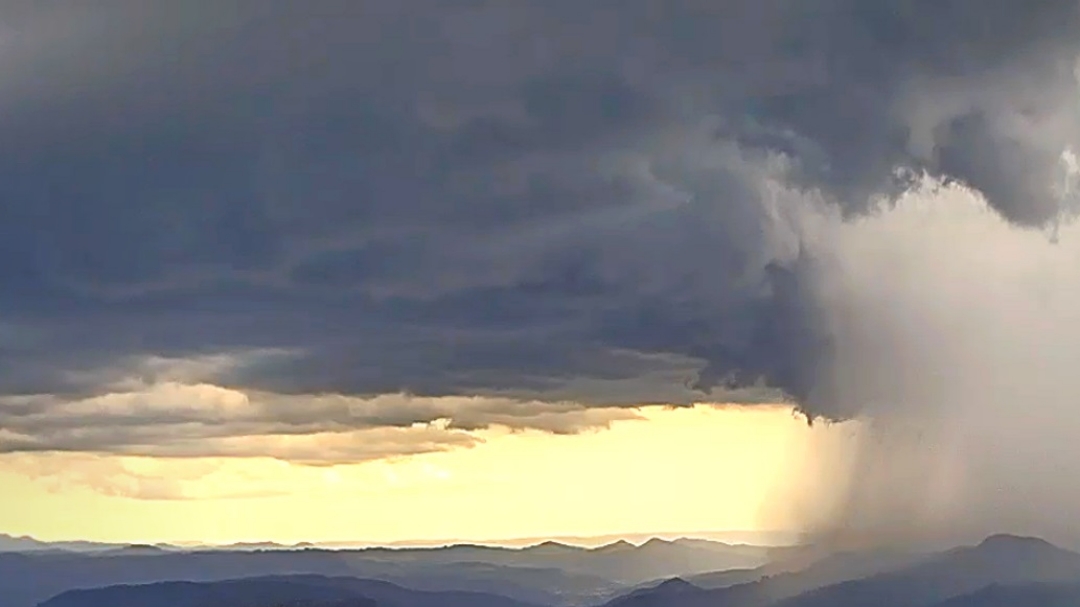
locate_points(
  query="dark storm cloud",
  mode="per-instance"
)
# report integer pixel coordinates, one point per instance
(533, 199)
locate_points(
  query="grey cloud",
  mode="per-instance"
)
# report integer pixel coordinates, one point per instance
(191, 420)
(171, 439)
(540, 200)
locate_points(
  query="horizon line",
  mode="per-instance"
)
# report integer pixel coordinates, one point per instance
(767, 538)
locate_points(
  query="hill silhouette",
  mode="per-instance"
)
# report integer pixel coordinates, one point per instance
(549, 573)
(1000, 559)
(880, 579)
(1019, 595)
(1000, 571)
(274, 591)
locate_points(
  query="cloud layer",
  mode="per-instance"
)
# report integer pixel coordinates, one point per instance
(530, 204)
(200, 420)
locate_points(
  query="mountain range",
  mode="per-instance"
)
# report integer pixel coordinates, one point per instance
(264, 592)
(1001, 571)
(1017, 570)
(549, 573)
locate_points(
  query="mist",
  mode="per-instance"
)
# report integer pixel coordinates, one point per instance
(954, 337)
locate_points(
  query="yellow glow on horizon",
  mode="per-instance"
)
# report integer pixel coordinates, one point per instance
(677, 470)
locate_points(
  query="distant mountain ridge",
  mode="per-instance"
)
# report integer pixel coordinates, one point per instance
(999, 559)
(1000, 571)
(273, 591)
(264, 592)
(1020, 595)
(549, 573)
(24, 543)
(999, 567)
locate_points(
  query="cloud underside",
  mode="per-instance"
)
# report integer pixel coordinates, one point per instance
(176, 420)
(266, 220)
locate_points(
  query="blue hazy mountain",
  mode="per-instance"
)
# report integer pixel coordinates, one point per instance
(274, 591)
(1000, 559)
(549, 573)
(1001, 571)
(235, 593)
(11, 543)
(792, 573)
(1020, 595)
(886, 579)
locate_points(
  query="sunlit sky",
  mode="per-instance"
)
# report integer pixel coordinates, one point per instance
(682, 470)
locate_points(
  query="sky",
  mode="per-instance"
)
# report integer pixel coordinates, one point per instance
(368, 235)
(657, 474)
